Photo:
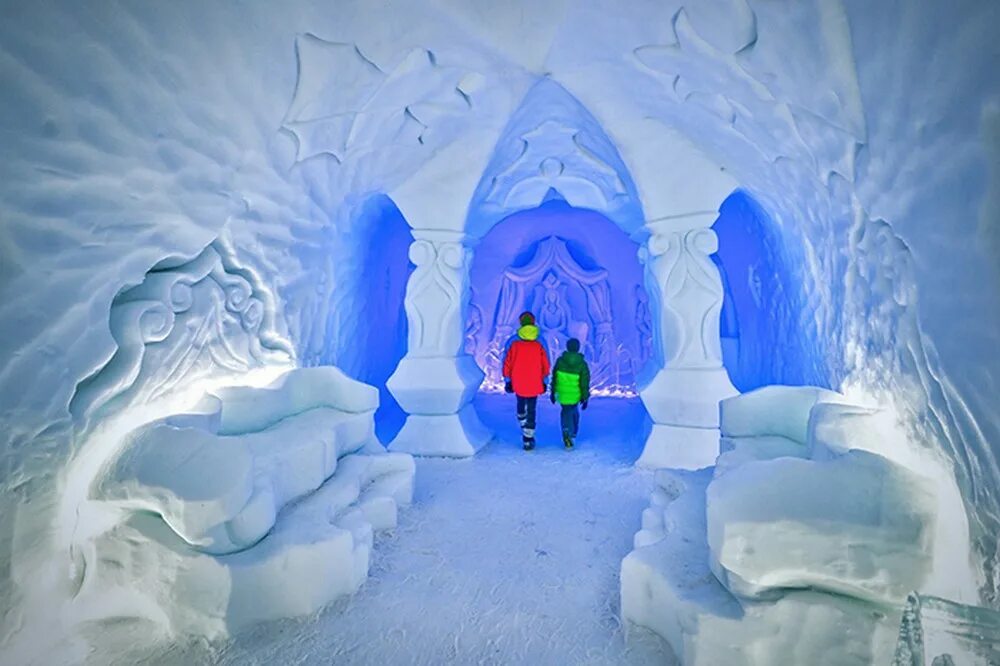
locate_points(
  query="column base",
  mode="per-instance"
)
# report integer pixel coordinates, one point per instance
(435, 384)
(688, 396)
(679, 447)
(458, 435)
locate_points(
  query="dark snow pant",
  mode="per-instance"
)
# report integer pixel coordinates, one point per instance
(570, 419)
(526, 408)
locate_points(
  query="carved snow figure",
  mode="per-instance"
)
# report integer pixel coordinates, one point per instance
(644, 327)
(555, 282)
(473, 328)
(554, 314)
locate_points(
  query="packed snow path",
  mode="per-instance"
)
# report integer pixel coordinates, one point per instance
(506, 558)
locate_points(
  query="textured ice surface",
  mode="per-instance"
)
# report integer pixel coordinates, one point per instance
(372, 326)
(844, 470)
(761, 289)
(834, 428)
(736, 451)
(938, 632)
(667, 586)
(135, 137)
(246, 409)
(222, 493)
(787, 531)
(781, 411)
(858, 525)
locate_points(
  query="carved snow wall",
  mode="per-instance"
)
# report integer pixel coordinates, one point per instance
(553, 144)
(345, 103)
(570, 300)
(554, 152)
(184, 321)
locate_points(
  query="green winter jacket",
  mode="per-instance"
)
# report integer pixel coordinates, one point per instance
(571, 379)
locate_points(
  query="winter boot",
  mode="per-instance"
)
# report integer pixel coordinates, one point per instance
(567, 441)
(529, 443)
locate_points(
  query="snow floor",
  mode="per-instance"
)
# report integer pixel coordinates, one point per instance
(505, 558)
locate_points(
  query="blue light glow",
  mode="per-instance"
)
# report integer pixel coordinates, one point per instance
(373, 321)
(764, 337)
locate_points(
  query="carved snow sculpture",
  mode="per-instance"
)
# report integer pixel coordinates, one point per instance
(554, 156)
(772, 536)
(683, 396)
(552, 312)
(259, 505)
(569, 301)
(667, 586)
(644, 325)
(858, 525)
(344, 103)
(552, 143)
(435, 382)
(185, 320)
(545, 285)
(846, 521)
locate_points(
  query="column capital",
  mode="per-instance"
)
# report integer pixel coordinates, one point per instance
(680, 223)
(442, 236)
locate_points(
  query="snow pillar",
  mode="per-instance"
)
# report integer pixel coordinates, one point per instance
(682, 398)
(435, 382)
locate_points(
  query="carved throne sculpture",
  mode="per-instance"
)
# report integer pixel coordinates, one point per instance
(544, 285)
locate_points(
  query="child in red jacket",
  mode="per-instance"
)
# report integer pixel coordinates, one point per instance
(525, 368)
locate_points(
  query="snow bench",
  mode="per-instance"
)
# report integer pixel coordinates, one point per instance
(260, 504)
(800, 546)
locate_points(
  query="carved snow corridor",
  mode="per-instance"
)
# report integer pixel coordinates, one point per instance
(260, 265)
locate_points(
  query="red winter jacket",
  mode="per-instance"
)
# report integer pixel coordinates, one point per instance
(526, 364)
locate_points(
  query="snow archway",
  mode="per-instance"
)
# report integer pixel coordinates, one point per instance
(553, 146)
(580, 274)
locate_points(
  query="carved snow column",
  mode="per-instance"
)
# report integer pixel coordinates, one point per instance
(436, 381)
(682, 398)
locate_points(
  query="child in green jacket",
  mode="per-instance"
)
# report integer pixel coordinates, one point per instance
(571, 387)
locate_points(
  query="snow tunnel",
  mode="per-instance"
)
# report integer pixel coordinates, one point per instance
(255, 262)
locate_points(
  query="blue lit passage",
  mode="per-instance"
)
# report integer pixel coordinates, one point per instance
(374, 323)
(579, 273)
(763, 338)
